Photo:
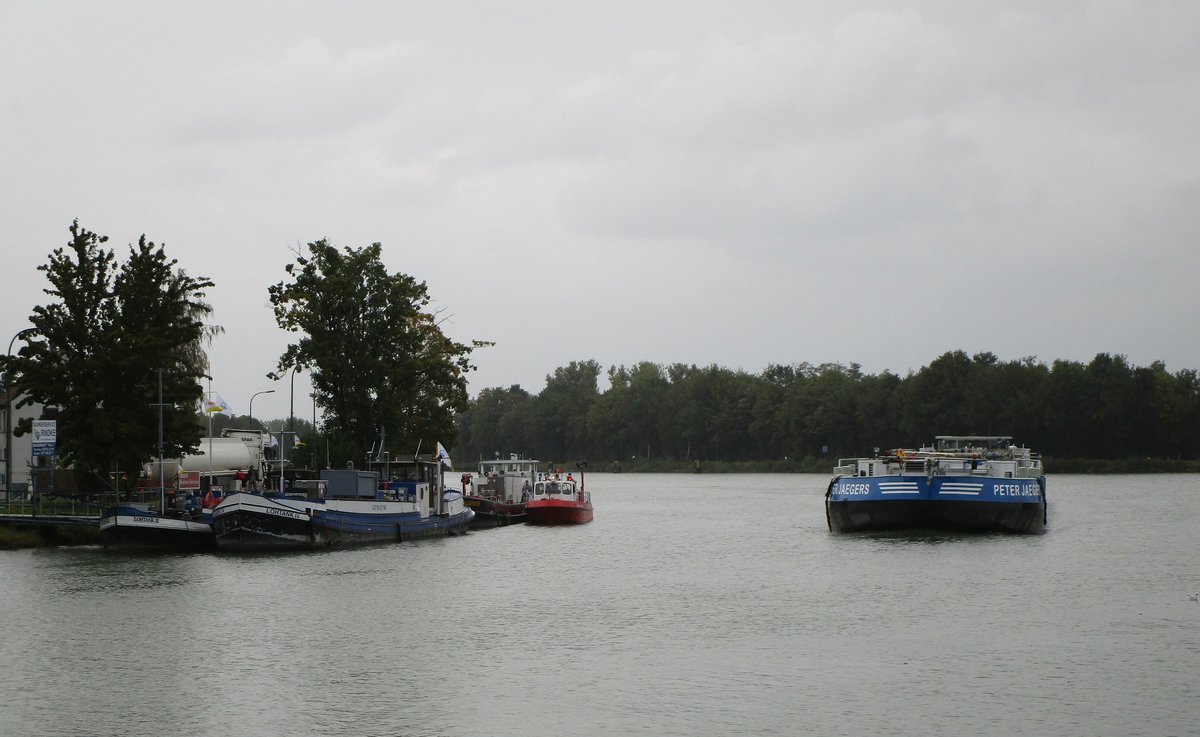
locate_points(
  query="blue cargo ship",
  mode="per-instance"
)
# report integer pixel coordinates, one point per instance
(962, 483)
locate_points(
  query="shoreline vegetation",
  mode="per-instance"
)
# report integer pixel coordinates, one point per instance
(14, 537)
(1081, 466)
(1106, 409)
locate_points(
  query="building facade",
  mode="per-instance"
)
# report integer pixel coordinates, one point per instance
(21, 459)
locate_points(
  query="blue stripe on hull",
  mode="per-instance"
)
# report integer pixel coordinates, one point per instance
(944, 488)
(343, 529)
(249, 531)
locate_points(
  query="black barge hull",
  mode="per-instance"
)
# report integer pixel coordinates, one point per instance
(1027, 518)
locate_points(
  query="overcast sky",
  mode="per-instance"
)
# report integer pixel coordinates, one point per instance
(724, 183)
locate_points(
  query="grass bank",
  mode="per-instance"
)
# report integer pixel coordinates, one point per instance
(825, 465)
(1120, 465)
(24, 535)
(666, 465)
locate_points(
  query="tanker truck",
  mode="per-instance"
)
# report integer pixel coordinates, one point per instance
(235, 450)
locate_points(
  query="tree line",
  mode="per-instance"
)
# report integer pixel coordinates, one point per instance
(121, 346)
(382, 367)
(1104, 409)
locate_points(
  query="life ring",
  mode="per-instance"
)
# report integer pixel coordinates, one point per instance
(210, 500)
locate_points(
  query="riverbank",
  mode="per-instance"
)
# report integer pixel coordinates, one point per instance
(825, 465)
(15, 534)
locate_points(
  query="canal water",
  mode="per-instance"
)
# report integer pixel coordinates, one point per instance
(692, 605)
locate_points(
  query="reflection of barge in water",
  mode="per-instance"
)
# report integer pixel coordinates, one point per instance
(963, 483)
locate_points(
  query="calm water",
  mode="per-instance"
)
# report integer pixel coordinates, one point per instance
(693, 605)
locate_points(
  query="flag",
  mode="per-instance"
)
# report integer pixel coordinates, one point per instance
(216, 405)
(444, 457)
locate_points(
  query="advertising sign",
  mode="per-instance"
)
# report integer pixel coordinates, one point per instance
(189, 479)
(45, 436)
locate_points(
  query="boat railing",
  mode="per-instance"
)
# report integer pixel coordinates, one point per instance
(1019, 462)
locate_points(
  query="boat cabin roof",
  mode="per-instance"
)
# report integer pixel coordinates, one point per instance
(406, 467)
(508, 465)
(960, 442)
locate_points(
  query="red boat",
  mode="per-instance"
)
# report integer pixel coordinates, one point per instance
(558, 501)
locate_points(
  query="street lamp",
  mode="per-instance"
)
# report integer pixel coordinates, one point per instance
(252, 396)
(8, 417)
(292, 404)
(291, 429)
(210, 443)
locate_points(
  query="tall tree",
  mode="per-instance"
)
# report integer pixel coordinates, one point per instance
(99, 345)
(379, 360)
(498, 422)
(563, 410)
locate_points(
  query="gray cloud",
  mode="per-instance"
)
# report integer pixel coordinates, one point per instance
(708, 183)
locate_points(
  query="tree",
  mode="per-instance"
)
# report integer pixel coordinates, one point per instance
(98, 347)
(379, 360)
(563, 409)
(497, 422)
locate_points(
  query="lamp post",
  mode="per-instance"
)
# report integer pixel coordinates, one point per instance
(252, 396)
(210, 443)
(292, 404)
(8, 418)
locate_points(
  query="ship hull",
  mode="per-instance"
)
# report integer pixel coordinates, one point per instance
(494, 513)
(950, 504)
(249, 522)
(558, 512)
(126, 529)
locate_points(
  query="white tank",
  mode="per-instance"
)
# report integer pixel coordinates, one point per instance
(228, 454)
(170, 469)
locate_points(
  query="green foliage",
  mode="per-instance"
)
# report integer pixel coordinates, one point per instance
(497, 414)
(97, 349)
(664, 417)
(378, 358)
